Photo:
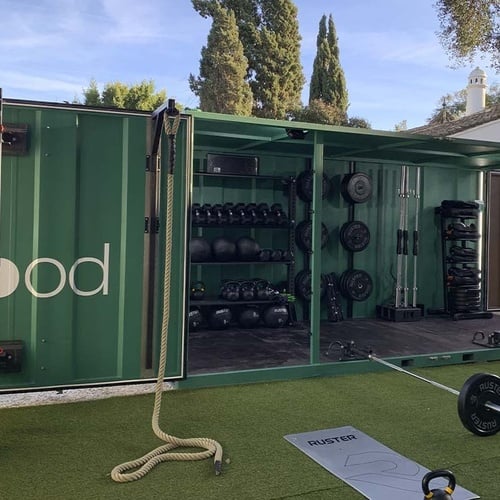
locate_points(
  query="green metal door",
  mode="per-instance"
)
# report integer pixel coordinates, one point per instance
(72, 247)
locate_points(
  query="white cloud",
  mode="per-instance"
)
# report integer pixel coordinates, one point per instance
(38, 84)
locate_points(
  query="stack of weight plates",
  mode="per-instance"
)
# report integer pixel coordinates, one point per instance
(465, 299)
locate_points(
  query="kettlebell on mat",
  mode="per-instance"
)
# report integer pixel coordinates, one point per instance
(437, 493)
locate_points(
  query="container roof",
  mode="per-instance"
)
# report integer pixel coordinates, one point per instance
(248, 135)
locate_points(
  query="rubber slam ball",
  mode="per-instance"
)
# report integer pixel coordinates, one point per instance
(200, 250)
(223, 249)
(247, 248)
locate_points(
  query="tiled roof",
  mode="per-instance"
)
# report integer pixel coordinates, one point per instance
(454, 127)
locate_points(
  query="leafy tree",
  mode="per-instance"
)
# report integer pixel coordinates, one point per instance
(319, 111)
(141, 96)
(402, 126)
(115, 95)
(327, 79)
(221, 85)
(357, 122)
(468, 27)
(452, 106)
(279, 79)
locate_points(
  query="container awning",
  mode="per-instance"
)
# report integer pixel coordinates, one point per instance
(219, 132)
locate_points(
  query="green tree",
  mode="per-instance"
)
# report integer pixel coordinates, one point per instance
(114, 95)
(221, 85)
(248, 19)
(402, 126)
(142, 96)
(319, 111)
(469, 27)
(357, 122)
(268, 30)
(452, 106)
(327, 79)
(91, 94)
(279, 79)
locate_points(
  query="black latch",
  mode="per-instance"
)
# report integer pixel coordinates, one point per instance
(151, 225)
(11, 355)
(14, 139)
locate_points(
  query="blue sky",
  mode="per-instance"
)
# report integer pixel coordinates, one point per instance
(394, 65)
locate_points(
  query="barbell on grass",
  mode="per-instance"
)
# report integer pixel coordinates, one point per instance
(478, 400)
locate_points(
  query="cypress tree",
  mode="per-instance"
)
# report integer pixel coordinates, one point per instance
(328, 80)
(278, 79)
(221, 85)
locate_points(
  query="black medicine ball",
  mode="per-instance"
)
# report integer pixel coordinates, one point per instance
(195, 319)
(275, 316)
(247, 248)
(200, 250)
(223, 249)
(249, 317)
(220, 318)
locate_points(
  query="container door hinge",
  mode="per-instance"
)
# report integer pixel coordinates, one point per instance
(151, 225)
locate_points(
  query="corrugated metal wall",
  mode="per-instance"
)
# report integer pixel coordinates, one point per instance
(72, 220)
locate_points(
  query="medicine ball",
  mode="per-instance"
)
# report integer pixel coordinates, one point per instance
(275, 316)
(200, 250)
(247, 248)
(220, 318)
(223, 249)
(249, 317)
(195, 319)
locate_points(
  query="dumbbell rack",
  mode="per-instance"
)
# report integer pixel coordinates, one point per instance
(288, 185)
(455, 291)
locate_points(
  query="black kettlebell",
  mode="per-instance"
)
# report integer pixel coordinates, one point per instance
(197, 290)
(230, 290)
(437, 493)
(247, 290)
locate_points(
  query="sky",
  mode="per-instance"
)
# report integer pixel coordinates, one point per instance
(394, 65)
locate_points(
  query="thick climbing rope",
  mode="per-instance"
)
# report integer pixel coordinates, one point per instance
(163, 453)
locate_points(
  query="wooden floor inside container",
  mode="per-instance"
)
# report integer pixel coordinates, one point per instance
(211, 351)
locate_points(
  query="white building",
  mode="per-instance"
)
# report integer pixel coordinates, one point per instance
(478, 123)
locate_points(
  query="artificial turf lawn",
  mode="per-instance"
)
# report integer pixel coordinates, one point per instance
(66, 451)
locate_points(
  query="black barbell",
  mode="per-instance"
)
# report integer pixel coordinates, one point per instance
(478, 400)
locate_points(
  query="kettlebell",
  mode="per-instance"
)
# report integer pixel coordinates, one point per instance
(197, 290)
(437, 493)
(230, 290)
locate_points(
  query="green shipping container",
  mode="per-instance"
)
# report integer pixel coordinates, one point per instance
(82, 227)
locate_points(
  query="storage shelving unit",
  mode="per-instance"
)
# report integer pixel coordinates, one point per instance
(462, 280)
(287, 185)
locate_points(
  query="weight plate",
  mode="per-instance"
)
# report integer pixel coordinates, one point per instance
(356, 284)
(357, 187)
(303, 235)
(354, 236)
(305, 186)
(303, 285)
(478, 390)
